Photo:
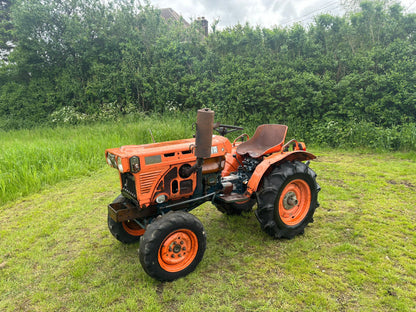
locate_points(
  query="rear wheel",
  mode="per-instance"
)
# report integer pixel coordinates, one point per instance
(287, 199)
(127, 232)
(172, 246)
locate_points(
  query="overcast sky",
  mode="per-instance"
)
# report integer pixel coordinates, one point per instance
(266, 13)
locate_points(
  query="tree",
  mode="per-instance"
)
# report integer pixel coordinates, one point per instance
(6, 29)
(102, 59)
(354, 5)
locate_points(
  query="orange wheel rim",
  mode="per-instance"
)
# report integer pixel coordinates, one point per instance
(294, 202)
(178, 250)
(133, 228)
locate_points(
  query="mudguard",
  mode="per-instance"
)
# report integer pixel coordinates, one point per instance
(272, 160)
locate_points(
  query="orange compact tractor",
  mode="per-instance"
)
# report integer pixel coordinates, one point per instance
(162, 182)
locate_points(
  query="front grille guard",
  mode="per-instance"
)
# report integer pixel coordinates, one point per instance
(129, 185)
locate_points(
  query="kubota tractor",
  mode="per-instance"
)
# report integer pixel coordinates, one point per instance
(162, 182)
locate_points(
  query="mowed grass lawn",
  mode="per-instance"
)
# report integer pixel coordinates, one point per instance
(56, 253)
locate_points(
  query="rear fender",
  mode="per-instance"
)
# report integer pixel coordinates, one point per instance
(274, 160)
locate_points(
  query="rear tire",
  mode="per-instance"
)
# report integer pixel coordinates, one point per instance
(172, 246)
(287, 200)
(127, 232)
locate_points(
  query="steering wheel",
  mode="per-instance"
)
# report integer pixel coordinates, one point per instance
(225, 129)
(241, 137)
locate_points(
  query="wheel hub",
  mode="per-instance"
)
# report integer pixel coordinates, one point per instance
(178, 250)
(294, 202)
(290, 200)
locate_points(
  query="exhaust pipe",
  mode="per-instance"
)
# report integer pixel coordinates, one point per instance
(203, 139)
(204, 130)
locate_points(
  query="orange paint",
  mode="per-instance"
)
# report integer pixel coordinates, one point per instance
(178, 250)
(133, 228)
(274, 159)
(294, 202)
(158, 159)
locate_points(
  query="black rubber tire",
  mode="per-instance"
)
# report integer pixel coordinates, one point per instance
(233, 209)
(165, 229)
(117, 228)
(270, 192)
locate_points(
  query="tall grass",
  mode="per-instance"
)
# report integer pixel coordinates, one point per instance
(32, 159)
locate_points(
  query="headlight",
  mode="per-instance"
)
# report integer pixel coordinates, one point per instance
(120, 165)
(134, 164)
(111, 160)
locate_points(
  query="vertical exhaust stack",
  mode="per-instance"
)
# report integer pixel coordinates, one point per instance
(204, 130)
(203, 140)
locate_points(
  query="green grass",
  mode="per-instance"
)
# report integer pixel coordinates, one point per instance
(33, 159)
(56, 253)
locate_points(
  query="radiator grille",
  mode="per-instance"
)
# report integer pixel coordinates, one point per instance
(129, 185)
(147, 179)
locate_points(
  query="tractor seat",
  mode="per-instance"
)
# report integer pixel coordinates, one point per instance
(266, 140)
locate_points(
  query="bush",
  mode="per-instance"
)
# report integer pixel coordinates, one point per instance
(353, 134)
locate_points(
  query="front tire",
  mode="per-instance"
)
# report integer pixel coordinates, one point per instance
(172, 246)
(127, 232)
(287, 200)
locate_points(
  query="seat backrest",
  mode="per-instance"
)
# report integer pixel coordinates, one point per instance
(266, 140)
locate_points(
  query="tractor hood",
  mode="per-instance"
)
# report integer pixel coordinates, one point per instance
(132, 158)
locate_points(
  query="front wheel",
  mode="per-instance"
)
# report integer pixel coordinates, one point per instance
(287, 199)
(172, 246)
(127, 232)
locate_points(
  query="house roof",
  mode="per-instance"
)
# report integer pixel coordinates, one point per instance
(170, 14)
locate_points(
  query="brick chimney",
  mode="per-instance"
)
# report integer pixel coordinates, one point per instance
(204, 25)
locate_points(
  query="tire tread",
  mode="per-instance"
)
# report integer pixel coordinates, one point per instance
(267, 196)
